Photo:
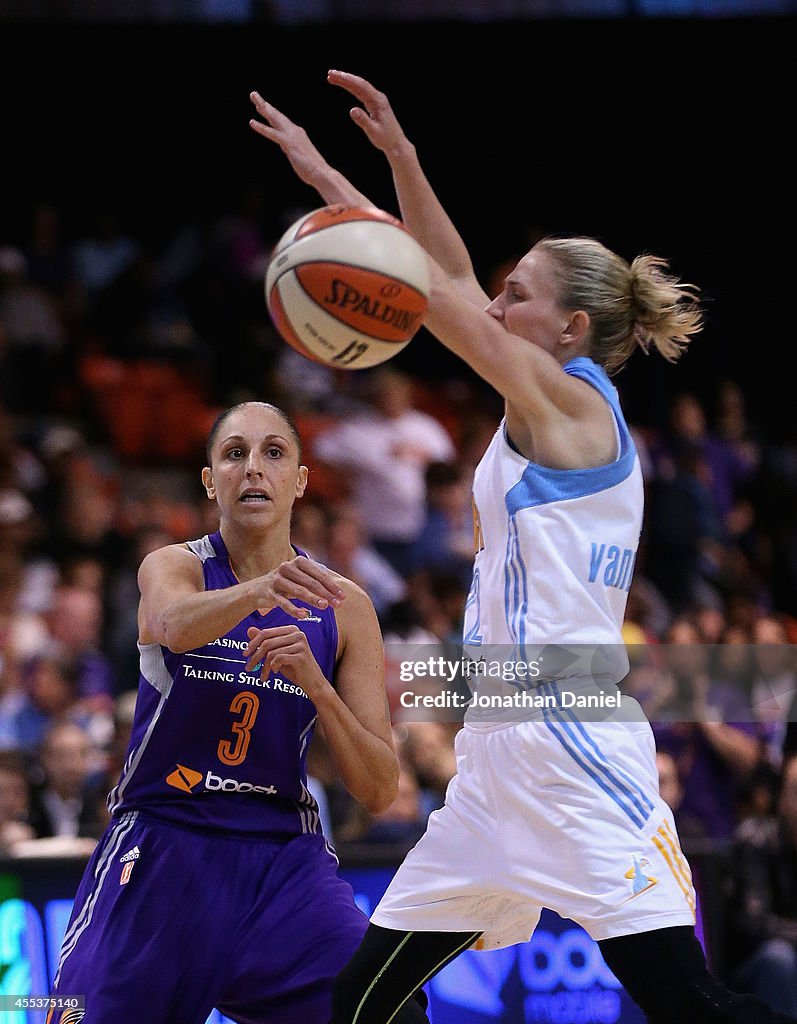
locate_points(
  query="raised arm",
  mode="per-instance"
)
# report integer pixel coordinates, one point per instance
(421, 210)
(176, 611)
(308, 163)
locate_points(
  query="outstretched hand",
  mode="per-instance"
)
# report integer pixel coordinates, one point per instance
(375, 116)
(291, 138)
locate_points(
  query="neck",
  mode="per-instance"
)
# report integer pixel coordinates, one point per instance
(254, 554)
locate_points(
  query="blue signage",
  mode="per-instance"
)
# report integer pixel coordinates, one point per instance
(558, 977)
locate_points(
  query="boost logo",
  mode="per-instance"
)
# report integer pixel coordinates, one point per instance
(184, 778)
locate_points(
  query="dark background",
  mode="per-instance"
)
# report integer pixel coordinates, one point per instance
(668, 136)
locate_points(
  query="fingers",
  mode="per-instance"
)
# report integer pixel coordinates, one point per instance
(300, 579)
(359, 87)
(278, 601)
(276, 121)
(314, 583)
(268, 645)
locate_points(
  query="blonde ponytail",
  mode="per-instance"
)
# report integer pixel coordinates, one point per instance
(629, 306)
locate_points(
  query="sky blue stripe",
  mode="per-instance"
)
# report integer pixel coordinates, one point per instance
(632, 785)
(589, 771)
(639, 818)
(507, 585)
(598, 759)
(604, 768)
(524, 610)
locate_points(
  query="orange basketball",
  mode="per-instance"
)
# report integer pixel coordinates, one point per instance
(347, 286)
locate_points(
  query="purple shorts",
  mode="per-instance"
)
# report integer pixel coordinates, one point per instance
(169, 923)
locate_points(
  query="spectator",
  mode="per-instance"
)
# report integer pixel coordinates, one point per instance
(34, 334)
(691, 830)
(429, 748)
(50, 695)
(76, 622)
(446, 538)
(102, 254)
(714, 740)
(309, 528)
(14, 804)
(774, 689)
(727, 465)
(765, 901)
(350, 553)
(67, 800)
(386, 451)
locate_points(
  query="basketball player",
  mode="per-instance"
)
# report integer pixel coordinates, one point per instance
(547, 808)
(213, 885)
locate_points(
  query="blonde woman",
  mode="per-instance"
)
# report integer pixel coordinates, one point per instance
(548, 808)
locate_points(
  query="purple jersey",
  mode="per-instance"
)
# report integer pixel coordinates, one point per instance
(214, 746)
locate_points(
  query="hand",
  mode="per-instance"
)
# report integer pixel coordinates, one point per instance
(284, 649)
(377, 119)
(299, 579)
(293, 140)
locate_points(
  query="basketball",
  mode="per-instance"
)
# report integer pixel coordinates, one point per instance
(347, 286)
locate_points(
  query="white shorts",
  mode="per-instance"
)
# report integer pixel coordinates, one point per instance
(564, 816)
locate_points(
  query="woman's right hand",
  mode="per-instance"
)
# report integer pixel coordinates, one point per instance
(375, 116)
(291, 138)
(299, 579)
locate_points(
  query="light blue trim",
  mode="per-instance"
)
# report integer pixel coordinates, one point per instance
(540, 485)
(600, 772)
(643, 801)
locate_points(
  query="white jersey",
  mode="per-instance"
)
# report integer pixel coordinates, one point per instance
(555, 548)
(549, 808)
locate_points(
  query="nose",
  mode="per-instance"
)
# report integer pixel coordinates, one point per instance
(496, 308)
(254, 464)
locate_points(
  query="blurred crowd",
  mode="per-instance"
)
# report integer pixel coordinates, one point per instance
(117, 350)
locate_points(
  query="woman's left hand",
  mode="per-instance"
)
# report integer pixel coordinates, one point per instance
(285, 649)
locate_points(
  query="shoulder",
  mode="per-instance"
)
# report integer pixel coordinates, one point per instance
(173, 558)
(356, 611)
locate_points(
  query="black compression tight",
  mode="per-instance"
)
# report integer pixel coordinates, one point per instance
(378, 984)
(664, 972)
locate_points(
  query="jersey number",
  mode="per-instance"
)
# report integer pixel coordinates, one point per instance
(234, 751)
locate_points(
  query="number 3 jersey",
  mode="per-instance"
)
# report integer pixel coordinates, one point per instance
(214, 746)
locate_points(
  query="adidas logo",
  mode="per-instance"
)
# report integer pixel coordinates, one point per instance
(133, 854)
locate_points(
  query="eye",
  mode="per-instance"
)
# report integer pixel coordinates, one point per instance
(275, 452)
(235, 453)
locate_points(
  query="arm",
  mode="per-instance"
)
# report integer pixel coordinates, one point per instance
(353, 713)
(421, 210)
(737, 748)
(177, 612)
(564, 410)
(309, 165)
(531, 381)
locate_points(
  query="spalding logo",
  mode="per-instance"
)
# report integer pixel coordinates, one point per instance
(346, 296)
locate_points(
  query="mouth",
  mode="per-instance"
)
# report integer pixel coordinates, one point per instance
(254, 497)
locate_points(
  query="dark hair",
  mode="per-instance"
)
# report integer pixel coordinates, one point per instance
(222, 417)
